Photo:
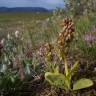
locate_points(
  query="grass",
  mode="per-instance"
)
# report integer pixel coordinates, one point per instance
(38, 29)
(10, 22)
(23, 16)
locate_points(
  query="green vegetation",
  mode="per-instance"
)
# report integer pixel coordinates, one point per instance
(64, 81)
(49, 54)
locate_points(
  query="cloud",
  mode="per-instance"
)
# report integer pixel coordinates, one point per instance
(53, 1)
(32, 3)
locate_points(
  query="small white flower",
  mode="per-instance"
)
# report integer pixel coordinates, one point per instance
(2, 41)
(95, 69)
(8, 36)
(16, 33)
(3, 68)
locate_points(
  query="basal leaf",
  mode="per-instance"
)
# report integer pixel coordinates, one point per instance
(56, 79)
(82, 83)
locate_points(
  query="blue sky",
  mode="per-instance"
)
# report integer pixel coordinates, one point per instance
(50, 4)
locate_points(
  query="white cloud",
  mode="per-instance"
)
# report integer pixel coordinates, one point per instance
(53, 1)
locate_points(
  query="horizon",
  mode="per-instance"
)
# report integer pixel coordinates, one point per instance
(49, 4)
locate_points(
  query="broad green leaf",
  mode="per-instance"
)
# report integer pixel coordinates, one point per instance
(82, 83)
(56, 79)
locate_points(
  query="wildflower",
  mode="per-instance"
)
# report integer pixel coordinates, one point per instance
(8, 36)
(16, 33)
(90, 38)
(2, 41)
(3, 68)
(66, 35)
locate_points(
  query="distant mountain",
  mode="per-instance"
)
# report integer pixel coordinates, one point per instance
(23, 9)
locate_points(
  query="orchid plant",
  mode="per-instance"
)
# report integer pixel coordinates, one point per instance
(60, 80)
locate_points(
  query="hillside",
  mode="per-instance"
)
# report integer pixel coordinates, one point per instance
(23, 9)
